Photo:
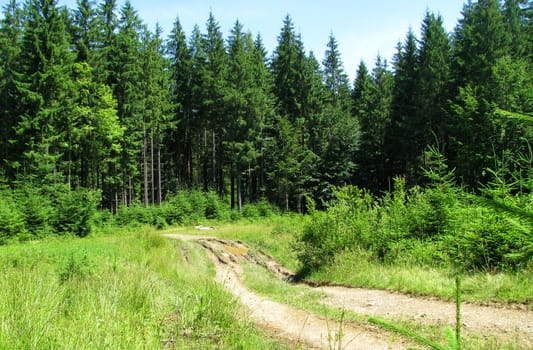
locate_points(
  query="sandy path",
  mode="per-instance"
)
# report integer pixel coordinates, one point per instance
(297, 325)
(500, 322)
(283, 321)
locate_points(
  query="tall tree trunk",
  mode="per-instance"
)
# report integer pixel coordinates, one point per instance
(214, 160)
(239, 191)
(152, 177)
(205, 160)
(159, 187)
(232, 189)
(145, 168)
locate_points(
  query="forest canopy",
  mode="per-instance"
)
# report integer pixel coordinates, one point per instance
(93, 101)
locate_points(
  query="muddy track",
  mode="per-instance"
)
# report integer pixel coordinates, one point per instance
(316, 332)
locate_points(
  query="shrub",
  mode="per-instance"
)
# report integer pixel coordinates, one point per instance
(37, 209)
(11, 219)
(74, 210)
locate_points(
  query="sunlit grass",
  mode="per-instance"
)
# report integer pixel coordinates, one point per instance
(356, 269)
(136, 291)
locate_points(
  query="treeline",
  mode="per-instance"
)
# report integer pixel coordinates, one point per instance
(92, 99)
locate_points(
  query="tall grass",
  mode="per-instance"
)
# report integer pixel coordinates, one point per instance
(135, 291)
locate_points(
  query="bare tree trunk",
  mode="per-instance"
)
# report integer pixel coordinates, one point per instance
(145, 167)
(159, 189)
(239, 191)
(232, 190)
(213, 159)
(152, 181)
(205, 160)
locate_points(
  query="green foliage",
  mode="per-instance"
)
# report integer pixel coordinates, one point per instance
(35, 212)
(11, 218)
(74, 210)
(433, 226)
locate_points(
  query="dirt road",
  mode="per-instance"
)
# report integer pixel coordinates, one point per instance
(316, 332)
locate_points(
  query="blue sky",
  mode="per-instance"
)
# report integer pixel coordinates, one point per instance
(362, 28)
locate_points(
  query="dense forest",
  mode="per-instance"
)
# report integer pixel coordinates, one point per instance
(96, 104)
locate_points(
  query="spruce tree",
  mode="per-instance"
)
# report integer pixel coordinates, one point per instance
(374, 123)
(106, 27)
(402, 151)
(128, 90)
(85, 32)
(338, 129)
(293, 73)
(213, 105)
(45, 63)
(434, 80)
(156, 111)
(10, 49)
(180, 132)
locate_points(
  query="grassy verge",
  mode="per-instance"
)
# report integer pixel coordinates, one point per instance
(135, 291)
(355, 269)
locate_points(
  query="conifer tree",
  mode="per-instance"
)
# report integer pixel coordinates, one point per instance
(243, 127)
(213, 105)
(85, 32)
(45, 63)
(361, 93)
(338, 129)
(199, 137)
(263, 109)
(10, 47)
(128, 90)
(106, 26)
(292, 76)
(401, 150)
(374, 123)
(180, 132)
(156, 105)
(480, 40)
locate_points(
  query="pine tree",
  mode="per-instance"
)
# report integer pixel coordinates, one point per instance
(180, 133)
(338, 129)
(85, 31)
(10, 50)
(213, 105)
(402, 151)
(45, 62)
(293, 75)
(156, 105)
(106, 27)
(128, 90)
(374, 123)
